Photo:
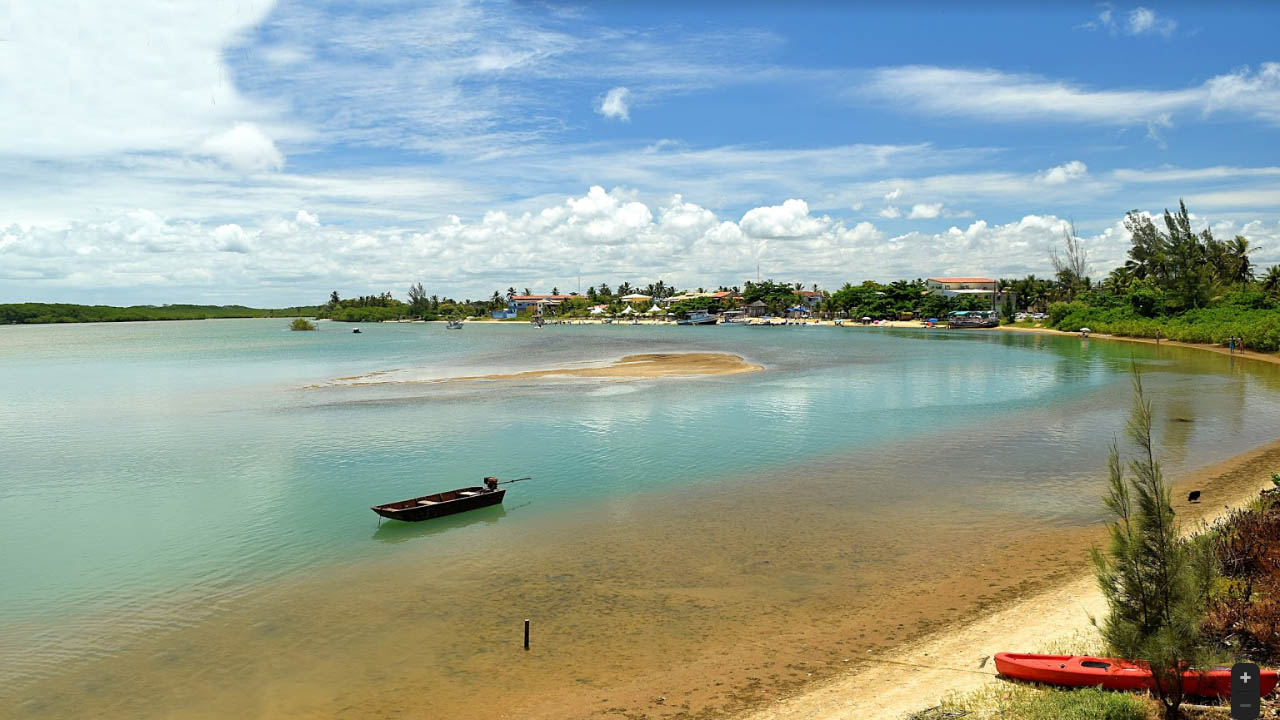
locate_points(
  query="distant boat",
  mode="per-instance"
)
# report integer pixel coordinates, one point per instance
(698, 317)
(445, 503)
(733, 317)
(454, 325)
(356, 331)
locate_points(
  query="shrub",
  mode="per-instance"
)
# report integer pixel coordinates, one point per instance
(302, 324)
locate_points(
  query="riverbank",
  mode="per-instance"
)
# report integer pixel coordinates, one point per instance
(1251, 354)
(957, 659)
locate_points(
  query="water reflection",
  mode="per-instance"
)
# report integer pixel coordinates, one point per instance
(395, 531)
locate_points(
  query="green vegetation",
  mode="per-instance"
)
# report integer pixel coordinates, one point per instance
(34, 313)
(1156, 582)
(1245, 614)
(1188, 286)
(302, 324)
(1010, 701)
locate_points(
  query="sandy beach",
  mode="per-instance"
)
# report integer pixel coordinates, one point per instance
(1252, 355)
(957, 659)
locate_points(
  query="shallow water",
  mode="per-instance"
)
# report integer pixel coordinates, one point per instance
(186, 529)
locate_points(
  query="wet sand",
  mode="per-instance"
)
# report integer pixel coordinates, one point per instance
(643, 366)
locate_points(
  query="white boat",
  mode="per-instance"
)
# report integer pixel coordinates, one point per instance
(698, 317)
(454, 325)
(734, 317)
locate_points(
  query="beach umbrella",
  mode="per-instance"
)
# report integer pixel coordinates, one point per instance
(1085, 330)
(933, 320)
(629, 311)
(865, 317)
(597, 311)
(656, 309)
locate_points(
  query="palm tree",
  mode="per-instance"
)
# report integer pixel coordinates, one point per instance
(1238, 252)
(1271, 281)
(1120, 280)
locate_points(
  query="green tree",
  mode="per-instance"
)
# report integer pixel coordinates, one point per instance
(1271, 281)
(1156, 583)
(419, 305)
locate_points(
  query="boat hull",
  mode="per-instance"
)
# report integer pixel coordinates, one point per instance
(1111, 674)
(413, 510)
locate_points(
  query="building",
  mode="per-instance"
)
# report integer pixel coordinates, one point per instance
(811, 297)
(539, 303)
(757, 309)
(955, 286)
(968, 286)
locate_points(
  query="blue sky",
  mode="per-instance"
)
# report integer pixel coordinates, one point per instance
(267, 152)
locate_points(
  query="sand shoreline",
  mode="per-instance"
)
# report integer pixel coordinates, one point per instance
(956, 659)
(1219, 349)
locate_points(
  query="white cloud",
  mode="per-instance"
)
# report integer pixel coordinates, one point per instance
(998, 96)
(1144, 20)
(616, 104)
(245, 148)
(791, 219)
(1065, 173)
(890, 212)
(608, 236)
(87, 79)
(893, 194)
(925, 211)
(1138, 21)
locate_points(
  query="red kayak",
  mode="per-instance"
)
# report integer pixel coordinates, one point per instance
(1111, 674)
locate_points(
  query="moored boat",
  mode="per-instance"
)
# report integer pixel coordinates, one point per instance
(454, 325)
(1112, 674)
(437, 505)
(698, 317)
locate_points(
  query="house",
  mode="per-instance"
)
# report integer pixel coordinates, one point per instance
(811, 297)
(757, 309)
(539, 303)
(955, 286)
(968, 286)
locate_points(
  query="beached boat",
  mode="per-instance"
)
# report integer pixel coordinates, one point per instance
(454, 324)
(445, 503)
(733, 317)
(698, 317)
(1111, 674)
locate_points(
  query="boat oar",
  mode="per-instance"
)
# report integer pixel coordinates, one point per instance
(506, 482)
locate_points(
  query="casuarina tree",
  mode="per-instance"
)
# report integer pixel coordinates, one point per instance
(1156, 582)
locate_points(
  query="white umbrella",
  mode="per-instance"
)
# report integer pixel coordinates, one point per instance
(597, 311)
(1085, 330)
(864, 317)
(629, 311)
(656, 309)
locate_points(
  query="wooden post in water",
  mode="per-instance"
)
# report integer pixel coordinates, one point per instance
(526, 633)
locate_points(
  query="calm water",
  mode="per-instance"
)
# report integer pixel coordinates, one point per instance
(168, 488)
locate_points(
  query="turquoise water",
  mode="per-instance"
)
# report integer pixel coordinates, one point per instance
(153, 473)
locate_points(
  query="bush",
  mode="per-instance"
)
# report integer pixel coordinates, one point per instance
(302, 324)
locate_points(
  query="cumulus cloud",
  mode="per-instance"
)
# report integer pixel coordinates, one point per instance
(245, 148)
(616, 104)
(607, 236)
(890, 212)
(925, 211)
(893, 194)
(1065, 173)
(791, 219)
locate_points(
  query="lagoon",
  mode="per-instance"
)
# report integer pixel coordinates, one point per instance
(186, 533)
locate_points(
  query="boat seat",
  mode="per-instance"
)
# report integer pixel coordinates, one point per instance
(468, 493)
(426, 502)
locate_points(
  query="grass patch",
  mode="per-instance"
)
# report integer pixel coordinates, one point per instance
(1018, 701)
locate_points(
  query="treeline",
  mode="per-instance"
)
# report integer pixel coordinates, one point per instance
(40, 313)
(1188, 286)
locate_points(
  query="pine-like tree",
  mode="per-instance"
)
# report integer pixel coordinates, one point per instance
(1156, 582)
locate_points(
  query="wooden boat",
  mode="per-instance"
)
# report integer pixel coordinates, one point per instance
(1112, 674)
(454, 325)
(445, 503)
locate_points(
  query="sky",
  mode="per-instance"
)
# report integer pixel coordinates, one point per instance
(266, 153)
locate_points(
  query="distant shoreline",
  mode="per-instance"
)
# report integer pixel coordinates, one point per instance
(1251, 354)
